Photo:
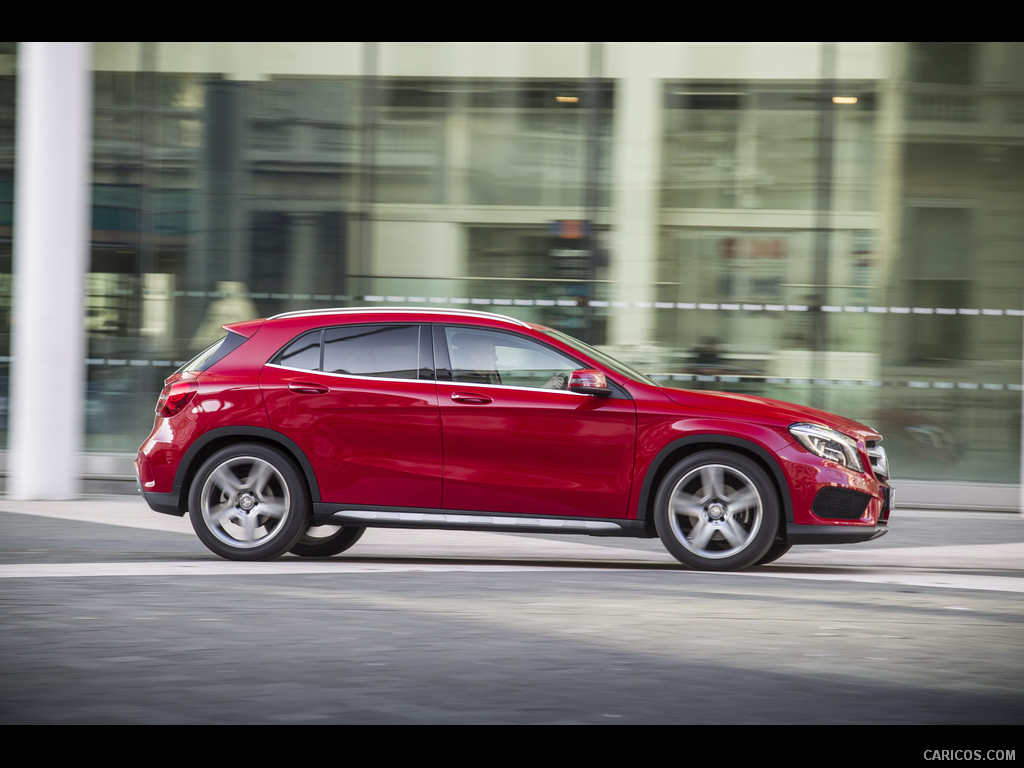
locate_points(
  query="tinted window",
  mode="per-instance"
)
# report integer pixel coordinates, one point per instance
(387, 351)
(486, 357)
(304, 352)
(213, 353)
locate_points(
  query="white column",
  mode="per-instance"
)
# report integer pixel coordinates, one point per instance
(634, 246)
(51, 199)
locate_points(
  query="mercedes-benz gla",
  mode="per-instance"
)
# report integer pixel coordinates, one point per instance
(294, 434)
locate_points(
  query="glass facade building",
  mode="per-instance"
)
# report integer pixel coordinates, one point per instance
(836, 224)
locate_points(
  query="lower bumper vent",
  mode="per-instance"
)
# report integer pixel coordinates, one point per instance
(840, 504)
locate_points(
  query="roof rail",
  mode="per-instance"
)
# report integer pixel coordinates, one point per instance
(435, 310)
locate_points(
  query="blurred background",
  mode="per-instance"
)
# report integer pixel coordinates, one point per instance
(835, 224)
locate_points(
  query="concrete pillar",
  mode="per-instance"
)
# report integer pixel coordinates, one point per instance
(635, 204)
(51, 194)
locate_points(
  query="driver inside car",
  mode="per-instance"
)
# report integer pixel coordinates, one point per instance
(475, 361)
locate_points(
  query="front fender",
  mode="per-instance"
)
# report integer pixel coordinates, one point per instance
(684, 446)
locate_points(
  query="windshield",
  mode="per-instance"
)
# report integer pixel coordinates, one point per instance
(606, 360)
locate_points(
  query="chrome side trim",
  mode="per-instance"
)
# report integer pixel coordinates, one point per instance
(448, 520)
(455, 384)
(359, 376)
(490, 387)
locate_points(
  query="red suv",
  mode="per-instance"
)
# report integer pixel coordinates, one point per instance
(297, 432)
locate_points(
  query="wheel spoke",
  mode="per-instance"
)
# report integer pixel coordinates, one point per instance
(734, 533)
(275, 508)
(226, 481)
(701, 534)
(688, 505)
(249, 524)
(226, 512)
(711, 477)
(260, 477)
(742, 500)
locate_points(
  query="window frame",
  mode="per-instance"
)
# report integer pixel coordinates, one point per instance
(443, 369)
(424, 366)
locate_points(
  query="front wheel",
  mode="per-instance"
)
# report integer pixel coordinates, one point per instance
(326, 540)
(778, 548)
(249, 502)
(717, 511)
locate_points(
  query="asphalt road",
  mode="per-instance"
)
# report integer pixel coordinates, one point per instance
(112, 614)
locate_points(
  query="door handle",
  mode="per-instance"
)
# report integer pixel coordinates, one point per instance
(470, 398)
(304, 388)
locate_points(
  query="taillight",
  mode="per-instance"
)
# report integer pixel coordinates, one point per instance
(175, 397)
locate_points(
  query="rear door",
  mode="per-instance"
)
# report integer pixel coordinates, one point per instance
(361, 403)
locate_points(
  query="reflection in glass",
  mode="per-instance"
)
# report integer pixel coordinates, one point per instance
(860, 254)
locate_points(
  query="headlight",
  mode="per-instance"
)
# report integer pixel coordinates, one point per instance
(829, 444)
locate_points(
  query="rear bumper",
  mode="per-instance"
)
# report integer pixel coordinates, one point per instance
(167, 503)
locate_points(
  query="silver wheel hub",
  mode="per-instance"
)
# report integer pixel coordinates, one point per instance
(244, 501)
(715, 511)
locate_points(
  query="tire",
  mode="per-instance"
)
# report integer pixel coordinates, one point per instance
(249, 502)
(778, 548)
(326, 540)
(717, 511)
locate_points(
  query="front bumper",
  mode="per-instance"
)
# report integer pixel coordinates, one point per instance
(853, 516)
(832, 534)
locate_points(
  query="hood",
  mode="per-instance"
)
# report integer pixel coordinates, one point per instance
(752, 406)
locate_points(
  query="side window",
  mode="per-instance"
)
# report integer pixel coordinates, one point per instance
(304, 352)
(488, 357)
(386, 351)
(214, 353)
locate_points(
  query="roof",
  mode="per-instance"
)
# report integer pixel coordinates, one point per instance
(468, 313)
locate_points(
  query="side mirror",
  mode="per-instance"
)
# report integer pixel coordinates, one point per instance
(587, 381)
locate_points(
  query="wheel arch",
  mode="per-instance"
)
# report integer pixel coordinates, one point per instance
(214, 440)
(687, 446)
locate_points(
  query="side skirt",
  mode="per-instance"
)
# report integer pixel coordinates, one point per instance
(373, 517)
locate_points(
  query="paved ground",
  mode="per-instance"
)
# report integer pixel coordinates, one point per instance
(113, 614)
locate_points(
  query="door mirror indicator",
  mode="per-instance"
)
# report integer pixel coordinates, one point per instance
(588, 381)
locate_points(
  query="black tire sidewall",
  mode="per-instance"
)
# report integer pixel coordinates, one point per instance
(294, 524)
(778, 548)
(344, 538)
(763, 539)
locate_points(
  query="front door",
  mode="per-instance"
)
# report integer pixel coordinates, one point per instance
(516, 440)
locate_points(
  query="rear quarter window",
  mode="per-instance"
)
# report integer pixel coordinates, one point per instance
(303, 352)
(213, 353)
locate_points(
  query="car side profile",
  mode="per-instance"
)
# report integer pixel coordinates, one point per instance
(295, 433)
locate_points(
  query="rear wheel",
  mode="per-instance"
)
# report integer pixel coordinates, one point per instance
(249, 502)
(326, 540)
(717, 511)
